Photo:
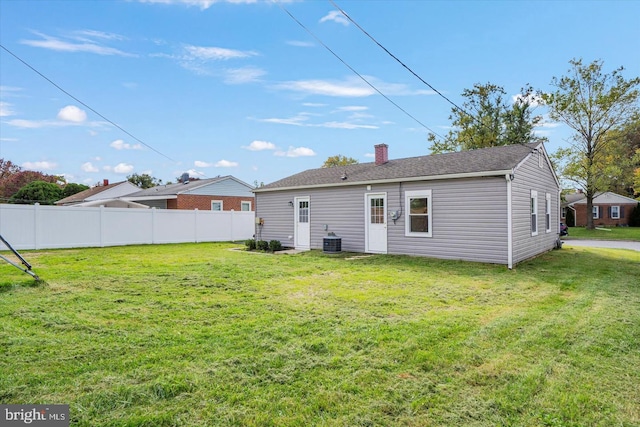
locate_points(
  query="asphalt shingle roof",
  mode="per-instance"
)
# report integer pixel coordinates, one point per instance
(472, 161)
(85, 194)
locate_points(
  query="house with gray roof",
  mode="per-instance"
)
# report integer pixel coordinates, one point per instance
(223, 193)
(609, 209)
(496, 205)
(107, 195)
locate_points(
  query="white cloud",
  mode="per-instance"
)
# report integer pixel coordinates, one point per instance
(201, 164)
(119, 144)
(71, 113)
(202, 4)
(371, 155)
(226, 164)
(349, 88)
(296, 152)
(9, 139)
(92, 34)
(123, 168)
(299, 43)
(9, 91)
(88, 167)
(243, 75)
(216, 53)
(260, 146)
(313, 104)
(39, 165)
(352, 108)
(5, 109)
(57, 44)
(531, 99)
(302, 120)
(296, 121)
(335, 16)
(345, 125)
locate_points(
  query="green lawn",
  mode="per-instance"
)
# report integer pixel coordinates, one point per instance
(199, 335)
(605, 233)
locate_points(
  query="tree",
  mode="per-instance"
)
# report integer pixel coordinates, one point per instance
(339, 160)
(7, 168)
(73, 188)
(592, 103)
(144, 181)
(15, 181)
(45, 193)
(488, 120)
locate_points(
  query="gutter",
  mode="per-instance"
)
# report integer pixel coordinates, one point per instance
(392, 180)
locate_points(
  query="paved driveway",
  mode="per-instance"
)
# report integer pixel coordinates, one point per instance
(615, 244)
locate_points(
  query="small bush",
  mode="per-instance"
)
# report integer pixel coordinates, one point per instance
(262, 245)
(250, 244)
(634, 220)
(275, 245)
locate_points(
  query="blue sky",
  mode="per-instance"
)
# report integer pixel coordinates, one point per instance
(239, 88)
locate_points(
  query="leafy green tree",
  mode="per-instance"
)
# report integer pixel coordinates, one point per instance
(489, 120)
(144, 180)
(15, 181)
(73, 188)
(339, 160)
(45, 193)
(593, 104)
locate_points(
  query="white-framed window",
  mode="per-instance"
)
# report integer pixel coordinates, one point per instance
(547, 212)
(563, 212)
(596, 212)
(615, 212)
(534, 213)
(245, 206)
(216, 205)
(540, 159)
(419, 214)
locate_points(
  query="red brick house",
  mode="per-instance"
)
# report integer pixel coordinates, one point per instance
(225, 193)
(609, 209)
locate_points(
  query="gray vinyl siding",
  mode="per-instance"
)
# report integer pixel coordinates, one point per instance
(529, 176)
(158, 204)
(228, 187)
(469, 218)
(469, 221)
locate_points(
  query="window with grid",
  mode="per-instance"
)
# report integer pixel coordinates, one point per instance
(245, 206)
(534, 213)
(303, 211)
(216, 205)
(377, 210)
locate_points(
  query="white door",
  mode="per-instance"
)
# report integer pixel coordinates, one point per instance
(302, 233)
(376, 229)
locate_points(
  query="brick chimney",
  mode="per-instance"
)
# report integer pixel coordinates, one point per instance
(105, 182)
(382, 154)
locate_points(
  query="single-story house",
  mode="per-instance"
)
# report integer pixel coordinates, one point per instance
(496, 205)
(609, 209)
(225, 193)
(107, 195)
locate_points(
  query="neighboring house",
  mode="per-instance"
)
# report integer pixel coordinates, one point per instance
(224, 193)
(497, 205)
(609, 209)
(107, 195)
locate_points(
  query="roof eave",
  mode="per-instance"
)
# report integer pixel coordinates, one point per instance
(392, 180)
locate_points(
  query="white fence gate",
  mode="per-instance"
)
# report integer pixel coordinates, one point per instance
(44, 227)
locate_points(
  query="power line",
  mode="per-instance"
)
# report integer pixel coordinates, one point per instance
(85, 105)
(399, 61)
(353, 70)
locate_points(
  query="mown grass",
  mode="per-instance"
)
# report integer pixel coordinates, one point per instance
(198, 335)
(605, 233)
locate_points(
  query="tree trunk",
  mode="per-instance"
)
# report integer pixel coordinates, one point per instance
(590, 225)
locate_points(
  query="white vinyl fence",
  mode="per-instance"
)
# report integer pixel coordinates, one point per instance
(44, 227)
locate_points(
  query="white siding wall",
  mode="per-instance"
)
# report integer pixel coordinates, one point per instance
(529, 176)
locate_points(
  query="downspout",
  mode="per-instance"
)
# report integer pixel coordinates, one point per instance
(509, 178)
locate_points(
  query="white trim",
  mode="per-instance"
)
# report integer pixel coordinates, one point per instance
(366, 220)
(407, 224)
(145, 198)
(509, 224)
(392, 180)
(221, 205)
(547, 212)
(618, 213)
(595, 211)
(245, 202)
(533, 210)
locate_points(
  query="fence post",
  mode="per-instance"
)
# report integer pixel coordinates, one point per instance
(37, 226)
(153, 225)
(231, 223)
(195, 225)
(102, 226)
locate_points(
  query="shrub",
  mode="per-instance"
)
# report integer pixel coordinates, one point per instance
(275, 245)
(570, 219)
(250, 244)
(634, 220)
(262, 245)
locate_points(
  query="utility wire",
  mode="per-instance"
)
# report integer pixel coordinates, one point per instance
(85, 105)
(353, 70)
(399, 61)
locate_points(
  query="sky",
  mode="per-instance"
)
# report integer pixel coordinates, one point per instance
(106, 89)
